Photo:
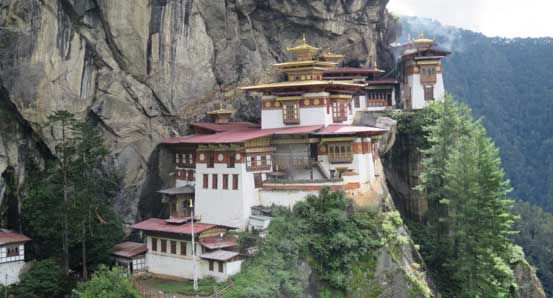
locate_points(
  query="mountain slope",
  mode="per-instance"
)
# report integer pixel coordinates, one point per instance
(508, 82)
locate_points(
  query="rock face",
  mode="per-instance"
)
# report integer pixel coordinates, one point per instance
(144, 69)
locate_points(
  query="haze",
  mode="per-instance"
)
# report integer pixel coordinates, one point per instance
(506, 18)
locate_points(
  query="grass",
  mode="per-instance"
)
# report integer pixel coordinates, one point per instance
(205, 286)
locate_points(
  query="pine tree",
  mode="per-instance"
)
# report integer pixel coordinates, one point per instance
(469, 216)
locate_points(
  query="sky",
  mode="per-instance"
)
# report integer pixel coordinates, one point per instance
(505, 18)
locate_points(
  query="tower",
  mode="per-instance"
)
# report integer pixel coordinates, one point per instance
(421, 73)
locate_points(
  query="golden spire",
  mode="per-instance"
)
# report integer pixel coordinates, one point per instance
(304, 51)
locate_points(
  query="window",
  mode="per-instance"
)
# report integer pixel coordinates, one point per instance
(138, 264)
(258, 162)
(163, 245)
(235, 181)
(252, 161)
(291, 113)
(174, 247)
(225, 181)
(210, 159)
(428, 93)
(379, 97)
(13, 251)
(183, 248)
(356, 102)
(220, 263)
(211, 267)
(205, 182)
(340, 153)
(428, 74)
(214, 181)
(191, 175)
(258, 180)
(339, 111)
(154, 244)
(231, 161)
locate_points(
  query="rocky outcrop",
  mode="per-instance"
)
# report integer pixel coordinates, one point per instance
(144, 69)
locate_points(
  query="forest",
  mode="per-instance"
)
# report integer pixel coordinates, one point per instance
(508, 83)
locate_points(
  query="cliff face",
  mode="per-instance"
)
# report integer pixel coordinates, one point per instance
(144, 69)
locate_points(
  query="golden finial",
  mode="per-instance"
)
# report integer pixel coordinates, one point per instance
(421, 35)
(304, 41)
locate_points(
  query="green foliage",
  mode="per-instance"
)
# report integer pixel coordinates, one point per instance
(106, 283)
(80, 174)
(536, 236)
(469, 217)
(321, 232)
(338, 238)
(45, 279)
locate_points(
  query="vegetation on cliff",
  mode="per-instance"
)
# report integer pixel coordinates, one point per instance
(69, 205)
(467, 239)
(324, 247)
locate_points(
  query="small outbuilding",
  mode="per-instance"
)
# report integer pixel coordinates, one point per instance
(131, 256)
(12, 256)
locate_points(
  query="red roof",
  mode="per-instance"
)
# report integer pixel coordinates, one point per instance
(160, 225)
(382, 82)
(239, 136)
(216, 127)
(129, 249)
(354, 70)
(7, 237)
(348, 129)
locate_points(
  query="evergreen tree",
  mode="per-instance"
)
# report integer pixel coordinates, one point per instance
(469, 215)
(450, 124)
(71, 202)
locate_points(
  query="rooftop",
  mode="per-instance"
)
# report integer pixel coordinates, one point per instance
(187, 189)
(239, 136)
(354, 70)
(307, 83)
(161, 225)
(216, 127)
(8, 237)
(348, 129)
(220, 255)
(129, 249)
(217, 243)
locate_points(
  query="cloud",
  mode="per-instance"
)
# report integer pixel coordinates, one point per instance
(508, 18)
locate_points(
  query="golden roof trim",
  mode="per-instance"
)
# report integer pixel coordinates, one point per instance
(299, 84)
(221, 111)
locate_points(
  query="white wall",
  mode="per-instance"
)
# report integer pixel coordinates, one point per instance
(225, 206)
(283, 198)
(172, 265)
(418, 90)
(9, 272)
(233, 268)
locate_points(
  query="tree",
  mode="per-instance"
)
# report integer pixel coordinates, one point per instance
(452, 122)
(65, 122)
(72, 200)
(106, 283)
(479, 217)
(469, 213)
(46, 278)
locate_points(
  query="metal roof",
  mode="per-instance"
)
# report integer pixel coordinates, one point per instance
(217, 243)
(347, 129)
(160, 225)
(307, 83)
(220, 255)
(8, 236)
(129, 249)
(216, 127)
(242, 135)
(187, 189)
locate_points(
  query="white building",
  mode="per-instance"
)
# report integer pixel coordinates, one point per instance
(12, 256)
(170, 252)
(421, 73)
(131, 256)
